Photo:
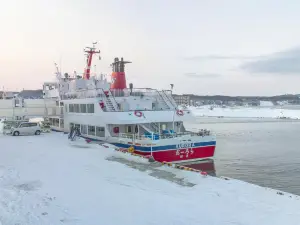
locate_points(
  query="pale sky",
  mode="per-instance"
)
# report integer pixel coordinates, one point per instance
(207, 47)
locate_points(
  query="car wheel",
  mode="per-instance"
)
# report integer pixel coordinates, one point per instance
(16, 133)
(37, 132)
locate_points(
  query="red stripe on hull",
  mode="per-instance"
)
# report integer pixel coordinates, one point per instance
(182, 154)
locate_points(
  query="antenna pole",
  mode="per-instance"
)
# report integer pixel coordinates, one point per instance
(90, 51)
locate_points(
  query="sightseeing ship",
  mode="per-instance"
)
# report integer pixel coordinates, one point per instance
(145, 119)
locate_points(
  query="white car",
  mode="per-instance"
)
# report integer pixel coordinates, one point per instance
(26, 128)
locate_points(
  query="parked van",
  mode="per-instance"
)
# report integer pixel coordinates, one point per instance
(26, 128)
(10, 123)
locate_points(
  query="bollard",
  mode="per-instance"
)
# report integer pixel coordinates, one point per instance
(203, 173)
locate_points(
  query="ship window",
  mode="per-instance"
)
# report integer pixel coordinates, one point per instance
(71, 125)
(91, 130)
(71, 108)
(90, 108)
(84, 129)
(83, 108)
(61, 123)
(76, 107)
(77, 126)
(100, 131)
(153, 106)
(119, 106)
(56, 123)
(129, 129)
(66, 108)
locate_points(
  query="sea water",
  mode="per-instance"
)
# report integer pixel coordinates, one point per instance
(266, 153)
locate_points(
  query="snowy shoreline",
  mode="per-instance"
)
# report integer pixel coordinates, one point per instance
(246, 112)
(47, 181)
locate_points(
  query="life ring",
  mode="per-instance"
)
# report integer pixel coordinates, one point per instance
(179, 113)
(106, 93)
(101, 104)
(138, 113)
(116, 130)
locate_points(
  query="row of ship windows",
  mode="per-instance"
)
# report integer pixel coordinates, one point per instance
(81, 108)
(90, 130)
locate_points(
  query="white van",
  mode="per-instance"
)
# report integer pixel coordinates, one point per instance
(26, 128)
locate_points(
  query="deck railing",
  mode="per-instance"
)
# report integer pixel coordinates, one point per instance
(168, 94)
(87, 93)
(136, 92)
(164, 98)
(154, 136)
(99, 92)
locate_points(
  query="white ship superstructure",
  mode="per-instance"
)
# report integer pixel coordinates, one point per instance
(145, 119)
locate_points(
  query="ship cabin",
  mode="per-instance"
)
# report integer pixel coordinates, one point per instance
(101, 111)
(131, 113)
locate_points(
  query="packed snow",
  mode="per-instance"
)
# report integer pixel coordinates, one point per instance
(246, 112)
(45, 180)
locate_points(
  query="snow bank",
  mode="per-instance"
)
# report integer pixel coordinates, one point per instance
(244, 112)
(44, 180)
(129, 157)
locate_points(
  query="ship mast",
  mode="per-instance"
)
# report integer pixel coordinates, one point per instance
(57, 73)
(90, 51)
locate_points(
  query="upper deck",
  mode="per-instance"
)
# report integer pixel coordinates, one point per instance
(122, 100)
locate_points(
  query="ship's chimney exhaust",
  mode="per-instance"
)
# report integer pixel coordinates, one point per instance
(118, 74)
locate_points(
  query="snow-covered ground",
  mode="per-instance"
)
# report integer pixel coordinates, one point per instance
(246, 112)
(44, 180)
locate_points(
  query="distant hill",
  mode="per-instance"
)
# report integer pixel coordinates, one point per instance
(287, 97)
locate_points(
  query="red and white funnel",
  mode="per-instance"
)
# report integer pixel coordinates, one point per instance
(118, 78)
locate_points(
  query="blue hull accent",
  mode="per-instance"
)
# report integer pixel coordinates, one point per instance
(166, 147)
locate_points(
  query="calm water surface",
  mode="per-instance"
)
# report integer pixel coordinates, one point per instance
(263, 153)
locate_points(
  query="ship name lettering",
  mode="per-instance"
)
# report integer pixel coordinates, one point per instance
(185, 145)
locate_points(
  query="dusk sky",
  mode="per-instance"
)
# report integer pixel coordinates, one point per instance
(233, 47)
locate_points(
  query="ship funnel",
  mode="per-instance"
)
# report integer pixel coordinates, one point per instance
(118, 79)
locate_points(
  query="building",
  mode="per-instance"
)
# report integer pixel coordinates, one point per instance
(7, 94)
(182, 99)
(31, 94)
